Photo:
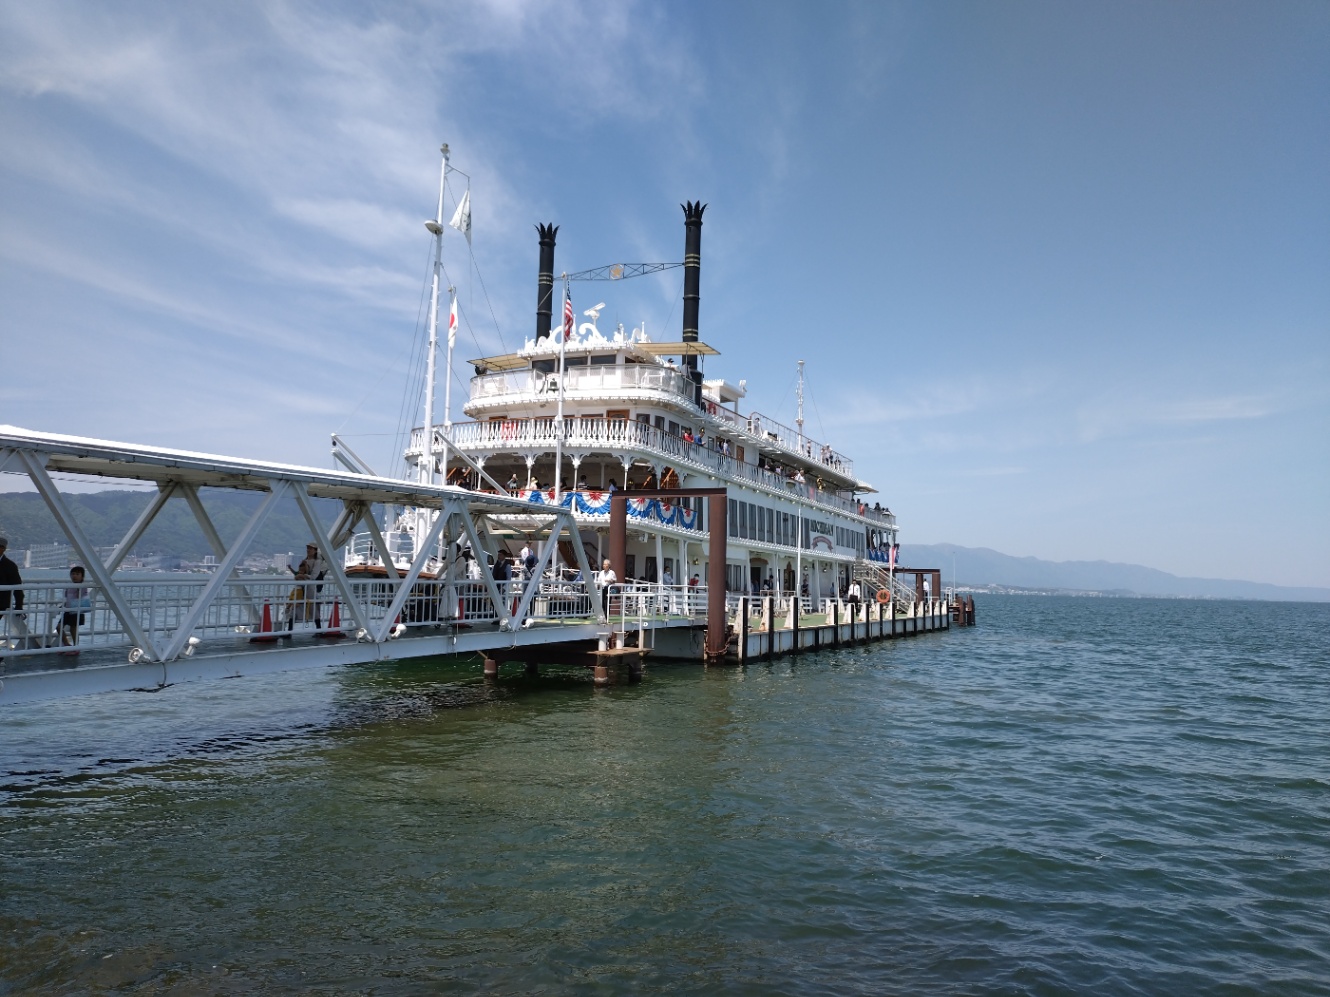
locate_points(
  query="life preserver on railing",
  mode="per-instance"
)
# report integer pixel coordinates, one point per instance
(883, 596)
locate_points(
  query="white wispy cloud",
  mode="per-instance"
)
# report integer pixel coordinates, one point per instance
(1127, 413)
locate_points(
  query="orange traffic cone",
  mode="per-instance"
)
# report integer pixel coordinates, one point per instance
(265, 628)
(334, 631)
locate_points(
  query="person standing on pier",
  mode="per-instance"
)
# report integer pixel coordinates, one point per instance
(312, 566)
(605, 577)
(11, 601)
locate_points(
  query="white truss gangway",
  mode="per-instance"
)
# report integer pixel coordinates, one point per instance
(139, 630)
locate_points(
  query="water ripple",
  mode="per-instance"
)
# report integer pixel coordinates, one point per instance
(1107, 796)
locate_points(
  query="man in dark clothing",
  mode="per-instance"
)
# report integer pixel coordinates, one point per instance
(9, 576)
(13, 622)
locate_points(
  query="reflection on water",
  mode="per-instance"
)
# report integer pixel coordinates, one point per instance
(1078, 795)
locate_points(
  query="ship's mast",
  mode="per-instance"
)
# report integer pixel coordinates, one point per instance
(435, 226)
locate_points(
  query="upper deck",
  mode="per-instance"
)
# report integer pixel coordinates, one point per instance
(603, 376)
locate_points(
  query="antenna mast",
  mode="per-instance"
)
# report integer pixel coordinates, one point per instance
(799, 419)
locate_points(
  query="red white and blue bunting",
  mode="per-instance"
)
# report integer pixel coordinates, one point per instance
(598, 504)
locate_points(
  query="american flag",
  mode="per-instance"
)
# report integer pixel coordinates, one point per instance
(567, 316)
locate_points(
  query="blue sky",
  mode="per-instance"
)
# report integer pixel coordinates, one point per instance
(1061, 272)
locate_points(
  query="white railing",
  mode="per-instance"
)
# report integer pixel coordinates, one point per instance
(768, 431)
(517, 435)
(52, 621)
(637, 606)
(581, 380)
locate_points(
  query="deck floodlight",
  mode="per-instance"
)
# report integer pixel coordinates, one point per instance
(135, 655)
(434, 227)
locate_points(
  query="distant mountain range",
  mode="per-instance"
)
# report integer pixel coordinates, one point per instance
(979, 567)
(106, 516)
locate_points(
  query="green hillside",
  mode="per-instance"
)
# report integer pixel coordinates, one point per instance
(107, 516)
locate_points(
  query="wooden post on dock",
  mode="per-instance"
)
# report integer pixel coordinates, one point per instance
(797, 608)
(769, 624)
(835, 624)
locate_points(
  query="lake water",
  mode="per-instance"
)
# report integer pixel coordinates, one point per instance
(1077, 796)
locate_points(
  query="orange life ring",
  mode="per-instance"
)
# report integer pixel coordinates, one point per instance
(883, 596)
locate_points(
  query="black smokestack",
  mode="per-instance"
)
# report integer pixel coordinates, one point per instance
(692, 278)
(545, 282)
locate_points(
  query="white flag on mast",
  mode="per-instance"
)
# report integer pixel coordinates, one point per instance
(462, 216)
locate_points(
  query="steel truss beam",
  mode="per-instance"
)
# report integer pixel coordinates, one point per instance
(146, 517)
(491, 586)
(223, 573)
(620, 271)
(557, 524)
(413, 573)
(382, 547)
(191, 493)
(35, 463)
(347, 520)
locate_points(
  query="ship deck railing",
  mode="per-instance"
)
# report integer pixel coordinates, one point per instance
(597, 379)
(773, 436)
(520, 435)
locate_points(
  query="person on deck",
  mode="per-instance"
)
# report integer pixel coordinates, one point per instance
(512, 484)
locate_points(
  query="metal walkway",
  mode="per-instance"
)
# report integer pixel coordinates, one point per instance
(146, 632)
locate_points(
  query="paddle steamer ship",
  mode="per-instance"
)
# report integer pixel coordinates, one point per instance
(575, 414)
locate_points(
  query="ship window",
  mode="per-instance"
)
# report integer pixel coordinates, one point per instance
(761, 523)
(660, 422)
(743, 520)
(629, 567)
(674, 429)
(602, 360)
(752, 521)
(651, 568)
(617, 413)
(739, 454)
(734, 518)
(547, 366)
(643, 418)
(576, 361)
(771, 519)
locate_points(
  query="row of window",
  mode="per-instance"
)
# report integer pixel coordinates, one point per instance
(850, 538)
(750, 521)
